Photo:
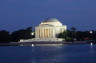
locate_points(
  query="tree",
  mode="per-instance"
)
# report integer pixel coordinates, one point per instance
(73, 29)
(21, 34)
(73, 32)
(4, 36)
(80, 35)
(63, 34)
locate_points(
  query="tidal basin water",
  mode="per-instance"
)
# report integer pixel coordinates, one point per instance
(81, 53)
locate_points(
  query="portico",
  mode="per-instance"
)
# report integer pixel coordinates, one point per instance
(49, 30)
(44, 32)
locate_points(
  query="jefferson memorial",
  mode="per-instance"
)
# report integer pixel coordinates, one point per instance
(48, 30)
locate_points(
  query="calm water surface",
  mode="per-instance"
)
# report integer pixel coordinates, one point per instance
(83, 53)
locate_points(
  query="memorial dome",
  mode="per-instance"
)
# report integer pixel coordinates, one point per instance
(51, 21)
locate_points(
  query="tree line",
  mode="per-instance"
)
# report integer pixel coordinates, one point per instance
(69, 35)
(74, 35)
(7, 37)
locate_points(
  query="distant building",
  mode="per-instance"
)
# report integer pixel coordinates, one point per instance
(48, 30)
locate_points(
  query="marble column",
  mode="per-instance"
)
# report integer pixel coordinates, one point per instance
(47, 33)
(50, 33)
(36, 33)
(39, 33)
(42, 33)
(53, 33)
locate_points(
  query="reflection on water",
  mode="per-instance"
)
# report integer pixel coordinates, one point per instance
(91, 48)
(83, 53)
(91, 43)
(32, 45)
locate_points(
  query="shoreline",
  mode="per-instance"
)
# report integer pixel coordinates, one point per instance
(41, 43)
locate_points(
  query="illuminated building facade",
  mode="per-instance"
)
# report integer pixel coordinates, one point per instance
(49, 29)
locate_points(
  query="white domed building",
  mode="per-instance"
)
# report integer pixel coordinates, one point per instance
(49, 29)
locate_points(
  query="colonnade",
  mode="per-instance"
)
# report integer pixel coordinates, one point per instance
(45, 33)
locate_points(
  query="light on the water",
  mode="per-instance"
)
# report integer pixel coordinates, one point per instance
(91, 43)
(32, 45)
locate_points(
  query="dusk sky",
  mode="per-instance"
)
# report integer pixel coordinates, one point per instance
(20, 14)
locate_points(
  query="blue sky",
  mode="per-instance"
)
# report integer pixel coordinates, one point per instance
(20, 14)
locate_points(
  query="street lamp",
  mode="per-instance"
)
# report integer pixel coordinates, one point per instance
(91, 32)
(32, 33)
